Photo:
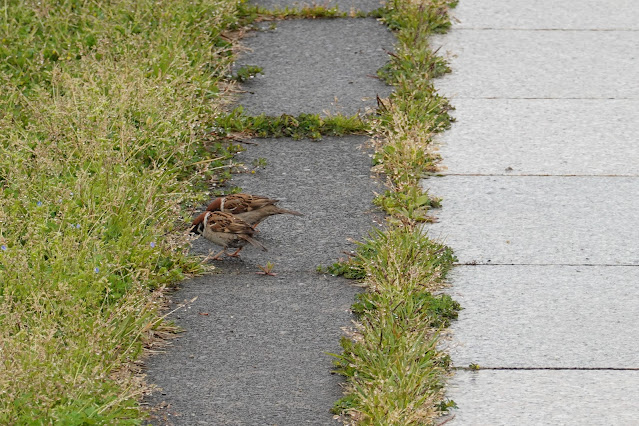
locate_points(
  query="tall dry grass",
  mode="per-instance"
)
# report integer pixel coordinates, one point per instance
(103, 109)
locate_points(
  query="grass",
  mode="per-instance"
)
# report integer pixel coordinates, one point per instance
(111, 126)
(396, 373)
(311, 126)
(246, 72)
(103, 144)
(251, 13)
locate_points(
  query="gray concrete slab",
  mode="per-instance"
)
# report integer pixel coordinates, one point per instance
(538, 220)
(329, 181)
(254, 351)
(543, 88)
(548, 14)
(343, 5)
(541, 64)
(542, 136)
(545, 398)
(317, 66)
(546, 316)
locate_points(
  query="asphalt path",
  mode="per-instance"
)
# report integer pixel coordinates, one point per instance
(255, 349)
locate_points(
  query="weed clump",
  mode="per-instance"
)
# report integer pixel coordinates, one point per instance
(310, 126)
(395, 370)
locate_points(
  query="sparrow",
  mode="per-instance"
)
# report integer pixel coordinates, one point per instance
(227, 231)
(250, 208)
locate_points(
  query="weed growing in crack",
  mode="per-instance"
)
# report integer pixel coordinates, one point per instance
(391, 358)
(310, 126)
(246, 72)
(412, 204)
(251, 13)
(266, 269)
(259, 162)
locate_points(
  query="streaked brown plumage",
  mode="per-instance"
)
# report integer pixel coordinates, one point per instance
(226, 230)
(251, 208)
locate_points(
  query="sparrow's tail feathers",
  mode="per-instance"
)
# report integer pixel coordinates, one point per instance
(254, 242)
(284, 211)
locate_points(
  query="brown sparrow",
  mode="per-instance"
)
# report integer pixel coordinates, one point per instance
(250, 208)
(227, 231)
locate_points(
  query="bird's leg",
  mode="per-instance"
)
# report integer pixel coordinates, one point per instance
(216, 257)
(236, 253)
(206, 259)
(219, 255)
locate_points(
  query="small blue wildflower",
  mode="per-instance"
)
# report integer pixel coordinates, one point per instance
(96, 269)
(152, 244)
(39, 203)
(3, 247)
(78, 226)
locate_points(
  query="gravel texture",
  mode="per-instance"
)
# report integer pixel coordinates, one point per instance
(320, 66)
(255, 350)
